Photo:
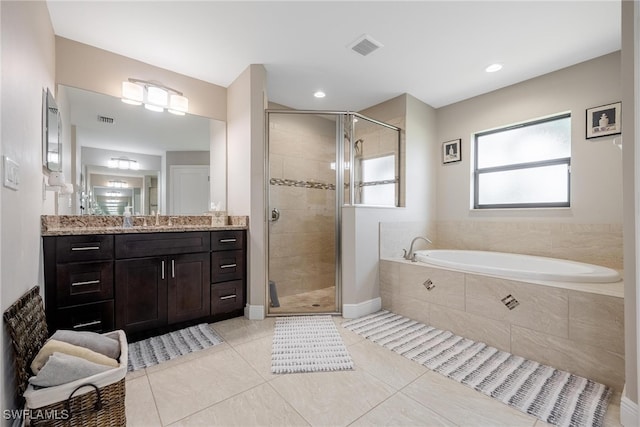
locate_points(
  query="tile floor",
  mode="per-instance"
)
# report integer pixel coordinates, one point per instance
(231, 385)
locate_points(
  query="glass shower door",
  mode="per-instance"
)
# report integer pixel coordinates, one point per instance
(303, 213)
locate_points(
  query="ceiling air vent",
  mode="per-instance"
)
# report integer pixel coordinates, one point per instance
(364, 45)
(105, 119)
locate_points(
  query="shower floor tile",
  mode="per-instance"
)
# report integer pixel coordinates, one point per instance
(318, 301)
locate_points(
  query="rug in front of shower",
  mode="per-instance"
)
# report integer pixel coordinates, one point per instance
(554, 396)
(155, 350)
(308, 344)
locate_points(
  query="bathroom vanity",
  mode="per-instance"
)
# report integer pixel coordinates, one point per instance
(143, 279)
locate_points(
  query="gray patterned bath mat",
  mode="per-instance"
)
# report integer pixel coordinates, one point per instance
(552, 395)
(154, 350)
(308, 344)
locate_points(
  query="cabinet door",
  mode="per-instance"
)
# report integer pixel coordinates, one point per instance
(141, 294)
(189, 287)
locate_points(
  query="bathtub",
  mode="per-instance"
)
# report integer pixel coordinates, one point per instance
(518, 266)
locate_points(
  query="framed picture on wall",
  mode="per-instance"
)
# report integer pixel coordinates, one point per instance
(604, 120)
(451, 151)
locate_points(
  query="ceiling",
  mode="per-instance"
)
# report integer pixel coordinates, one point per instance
(434, 50)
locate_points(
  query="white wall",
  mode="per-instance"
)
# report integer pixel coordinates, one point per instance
(596, 178)
(361, 225)
(28, 66)
(245, 176)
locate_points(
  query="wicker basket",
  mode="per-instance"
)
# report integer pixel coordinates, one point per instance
(85, 404)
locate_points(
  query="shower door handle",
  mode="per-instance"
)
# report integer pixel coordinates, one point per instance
(275, 215)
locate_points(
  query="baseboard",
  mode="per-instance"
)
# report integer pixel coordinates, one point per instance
(628, 412)
(254, 312)
(353, 311)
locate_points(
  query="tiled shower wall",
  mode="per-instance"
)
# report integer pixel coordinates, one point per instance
(302, 188)
(599, 244)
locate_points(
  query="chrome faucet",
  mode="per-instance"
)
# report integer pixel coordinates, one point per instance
(410, 255)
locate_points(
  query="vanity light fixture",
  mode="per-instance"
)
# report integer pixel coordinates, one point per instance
(123, 163)
(117, 184)
(155, 96)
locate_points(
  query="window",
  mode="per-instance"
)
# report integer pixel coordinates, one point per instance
(378, 186)
(524, 166)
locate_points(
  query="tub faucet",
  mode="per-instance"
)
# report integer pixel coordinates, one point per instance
(410, 255)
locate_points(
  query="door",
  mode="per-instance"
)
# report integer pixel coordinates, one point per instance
(189, 190)
(303, 209)
(189, 287)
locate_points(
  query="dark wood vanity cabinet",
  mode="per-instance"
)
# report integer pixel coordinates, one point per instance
(79, 282)
(228, 272)
(167, 282)
(140, 282)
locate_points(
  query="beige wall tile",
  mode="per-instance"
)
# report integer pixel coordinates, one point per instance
(405, 306)
(599, 244)
(408, 279)
(541, 308)
(591, 362)
(597, 320)
(395, 236)
(492, 332)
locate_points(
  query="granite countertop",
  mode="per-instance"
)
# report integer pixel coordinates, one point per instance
(72, 225)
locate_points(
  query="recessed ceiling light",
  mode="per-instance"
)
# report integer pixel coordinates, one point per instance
(319, 94)
(493, 68)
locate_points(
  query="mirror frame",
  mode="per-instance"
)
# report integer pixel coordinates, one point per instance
(51, 128)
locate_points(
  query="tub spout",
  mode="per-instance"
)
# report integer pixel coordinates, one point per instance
(410, 255)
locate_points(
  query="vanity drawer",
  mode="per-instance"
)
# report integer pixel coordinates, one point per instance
(84, 248)
(227, 297)
(227, 240)
(95, 317)
(146, 245)
(227, 265)
(80, 283)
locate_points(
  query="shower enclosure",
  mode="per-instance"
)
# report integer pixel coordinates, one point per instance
(309, 156)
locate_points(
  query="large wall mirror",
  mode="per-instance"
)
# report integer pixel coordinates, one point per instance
(124, 155)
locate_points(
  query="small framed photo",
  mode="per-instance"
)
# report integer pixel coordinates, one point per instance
(604, 120)
(451, 151)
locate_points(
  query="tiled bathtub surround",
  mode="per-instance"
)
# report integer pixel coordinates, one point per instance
(577, 331)
(599, 244)
(81, 224)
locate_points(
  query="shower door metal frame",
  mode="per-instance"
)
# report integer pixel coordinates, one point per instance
(344, 118)
(339, 202)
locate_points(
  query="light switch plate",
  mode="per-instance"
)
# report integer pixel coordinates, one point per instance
(11, 173)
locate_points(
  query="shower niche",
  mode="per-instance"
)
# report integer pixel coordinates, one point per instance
(319, 162)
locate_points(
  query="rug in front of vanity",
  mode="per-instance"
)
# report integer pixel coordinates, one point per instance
(154, 350)
(308, 344)
(554, 396)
